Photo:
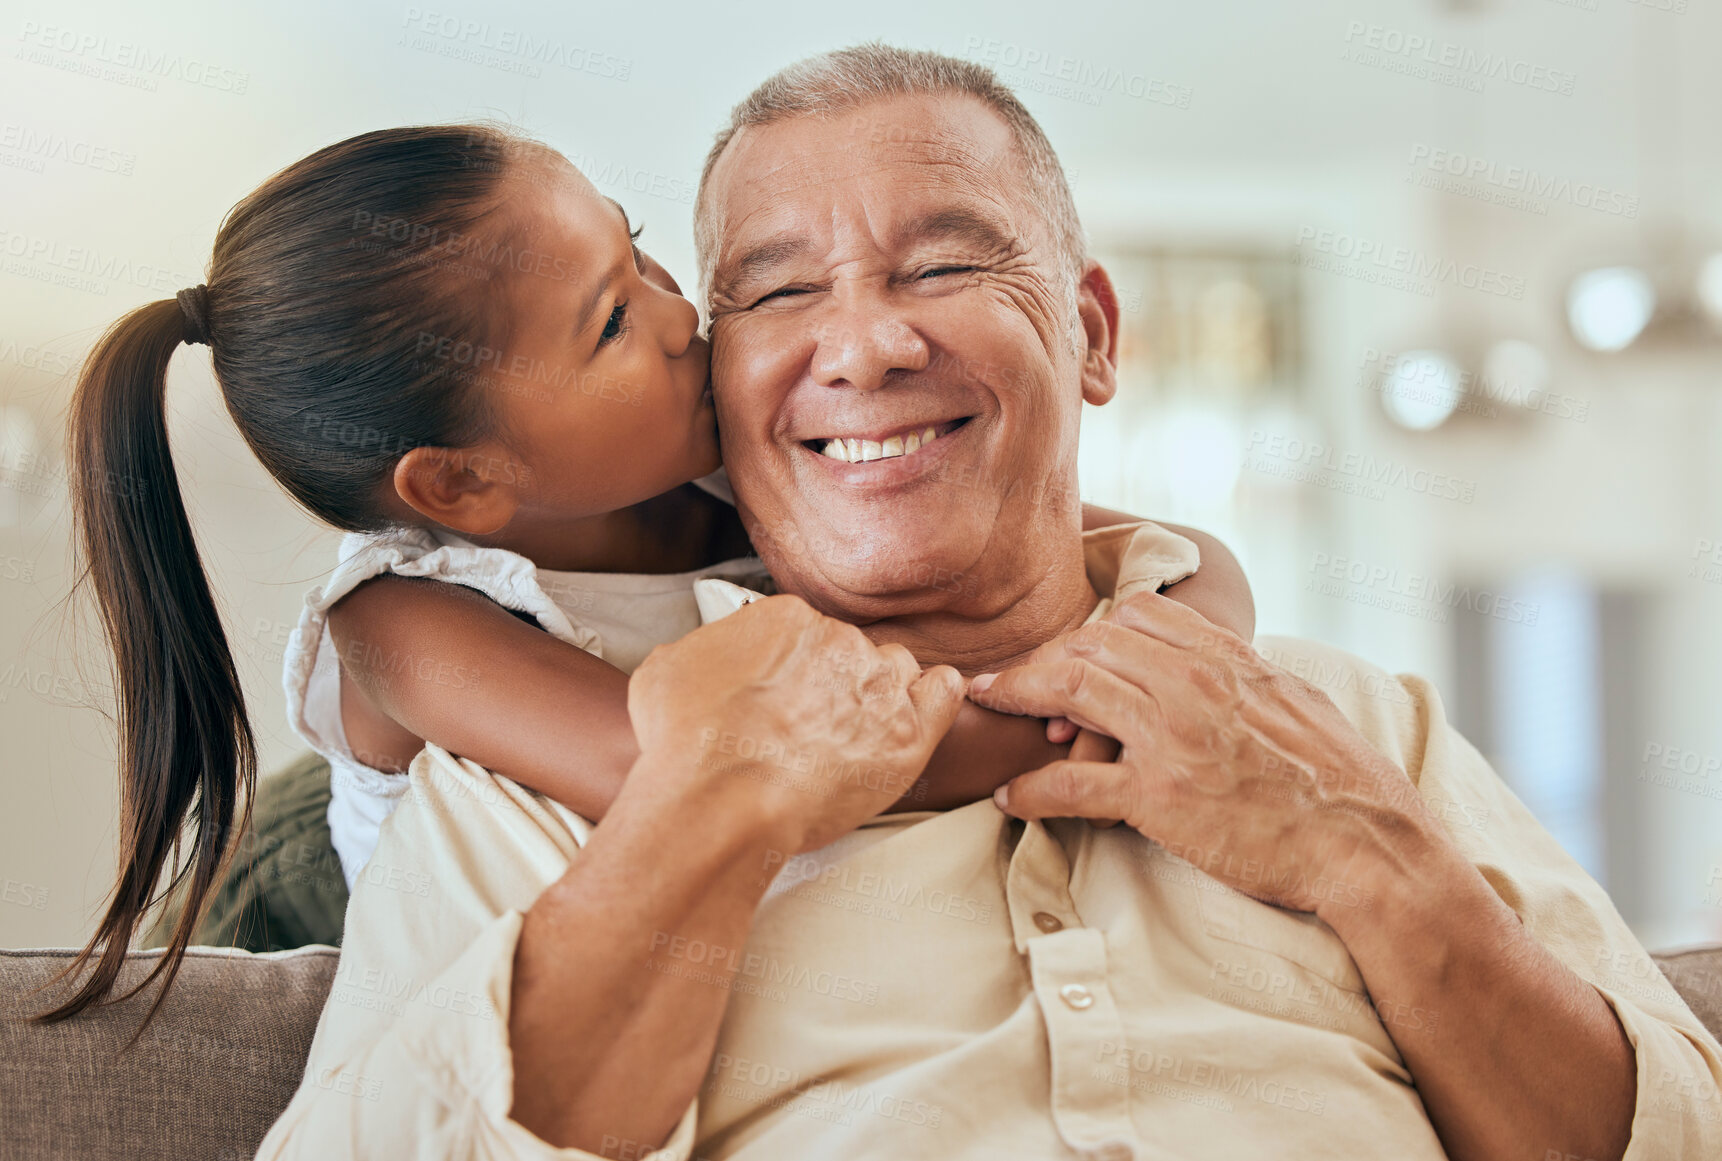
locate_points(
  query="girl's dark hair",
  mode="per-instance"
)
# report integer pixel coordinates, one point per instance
(340, 296)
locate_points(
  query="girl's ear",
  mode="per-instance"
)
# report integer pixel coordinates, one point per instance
(473, 490)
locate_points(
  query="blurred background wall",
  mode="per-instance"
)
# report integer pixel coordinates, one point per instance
(1421, 304)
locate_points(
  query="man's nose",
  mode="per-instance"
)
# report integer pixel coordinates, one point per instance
(860, 342)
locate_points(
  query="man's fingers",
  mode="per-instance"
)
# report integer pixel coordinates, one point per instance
(1068, 789)
(937, 695)
(1076, 688)
(1164, 619)
(1092, 747)
(901, 662)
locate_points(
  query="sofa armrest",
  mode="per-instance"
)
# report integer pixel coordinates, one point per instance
(1696, 974)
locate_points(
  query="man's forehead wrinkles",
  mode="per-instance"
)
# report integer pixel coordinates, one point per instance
(835, 159)
(979, 218)
(801, 168)
(823, 196)
(766, 255)
(766, 225)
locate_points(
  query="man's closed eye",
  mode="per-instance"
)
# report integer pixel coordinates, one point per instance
(782, 292)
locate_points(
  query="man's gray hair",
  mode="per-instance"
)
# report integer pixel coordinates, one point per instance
(836, 82)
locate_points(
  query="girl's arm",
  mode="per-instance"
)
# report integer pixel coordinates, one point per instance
(425, 660)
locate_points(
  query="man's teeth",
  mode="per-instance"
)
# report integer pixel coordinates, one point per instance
(860, 451)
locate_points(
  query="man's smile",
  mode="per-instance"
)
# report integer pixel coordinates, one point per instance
(883, 445)
(886, 458)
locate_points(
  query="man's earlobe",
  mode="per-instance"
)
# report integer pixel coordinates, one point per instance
(1097, 308)
(470, 490)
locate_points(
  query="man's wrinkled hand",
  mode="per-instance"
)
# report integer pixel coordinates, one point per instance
(787, 719)
(1227, 760)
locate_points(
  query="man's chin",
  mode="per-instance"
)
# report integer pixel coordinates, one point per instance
(868, 578)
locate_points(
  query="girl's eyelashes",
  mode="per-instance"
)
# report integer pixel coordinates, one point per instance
(615, 326)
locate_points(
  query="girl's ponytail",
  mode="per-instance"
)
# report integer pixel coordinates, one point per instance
(185, 744)
(333, 282)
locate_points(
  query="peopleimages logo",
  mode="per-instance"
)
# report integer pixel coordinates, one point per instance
(38, 146)
(461, 38)
(82, 267)
(1313, 462)
(1084, 79)
(1387, 587)
(1366, 257)
(1516, 186)
(87, 53)
(1409, 378)
(1448, 62)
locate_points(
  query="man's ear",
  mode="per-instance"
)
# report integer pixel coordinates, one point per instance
(1097, 307)
(473, 490)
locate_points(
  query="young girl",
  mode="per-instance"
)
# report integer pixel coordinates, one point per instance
(445, 342)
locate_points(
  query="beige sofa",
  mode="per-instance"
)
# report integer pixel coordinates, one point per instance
(219, 1063)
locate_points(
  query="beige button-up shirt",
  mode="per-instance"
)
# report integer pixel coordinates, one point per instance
(961, 984)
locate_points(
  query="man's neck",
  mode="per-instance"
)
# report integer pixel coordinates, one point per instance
(1060, 601)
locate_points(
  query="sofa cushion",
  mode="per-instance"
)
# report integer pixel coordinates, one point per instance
(206, 1079)
(224, 1055)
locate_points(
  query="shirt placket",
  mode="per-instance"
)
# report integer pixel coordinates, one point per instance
(1067, 963)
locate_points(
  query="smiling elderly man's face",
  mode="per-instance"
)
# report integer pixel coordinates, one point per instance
(900, 370)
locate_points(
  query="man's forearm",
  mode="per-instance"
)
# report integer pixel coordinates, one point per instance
(1513, 1054)
(610, 1041)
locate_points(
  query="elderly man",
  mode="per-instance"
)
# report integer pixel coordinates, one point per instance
(1286, 949)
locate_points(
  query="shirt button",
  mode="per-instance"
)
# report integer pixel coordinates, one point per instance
(1047, 922)
(1077, 996)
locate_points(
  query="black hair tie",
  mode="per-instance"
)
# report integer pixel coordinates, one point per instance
(194, 308)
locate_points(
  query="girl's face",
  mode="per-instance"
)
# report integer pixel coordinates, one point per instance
(604, 387)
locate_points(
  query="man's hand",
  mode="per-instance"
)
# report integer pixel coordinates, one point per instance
(797, 718)
(1256, 777)
(1227, 760)
(774, 729)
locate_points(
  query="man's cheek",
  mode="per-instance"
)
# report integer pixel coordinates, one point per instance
(739, 376)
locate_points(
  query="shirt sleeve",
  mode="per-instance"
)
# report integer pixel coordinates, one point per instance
(362, 796)
(411, 1057)
(1124, 559)
(1678, 1112)
(509, 579)
(1679, 1108)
